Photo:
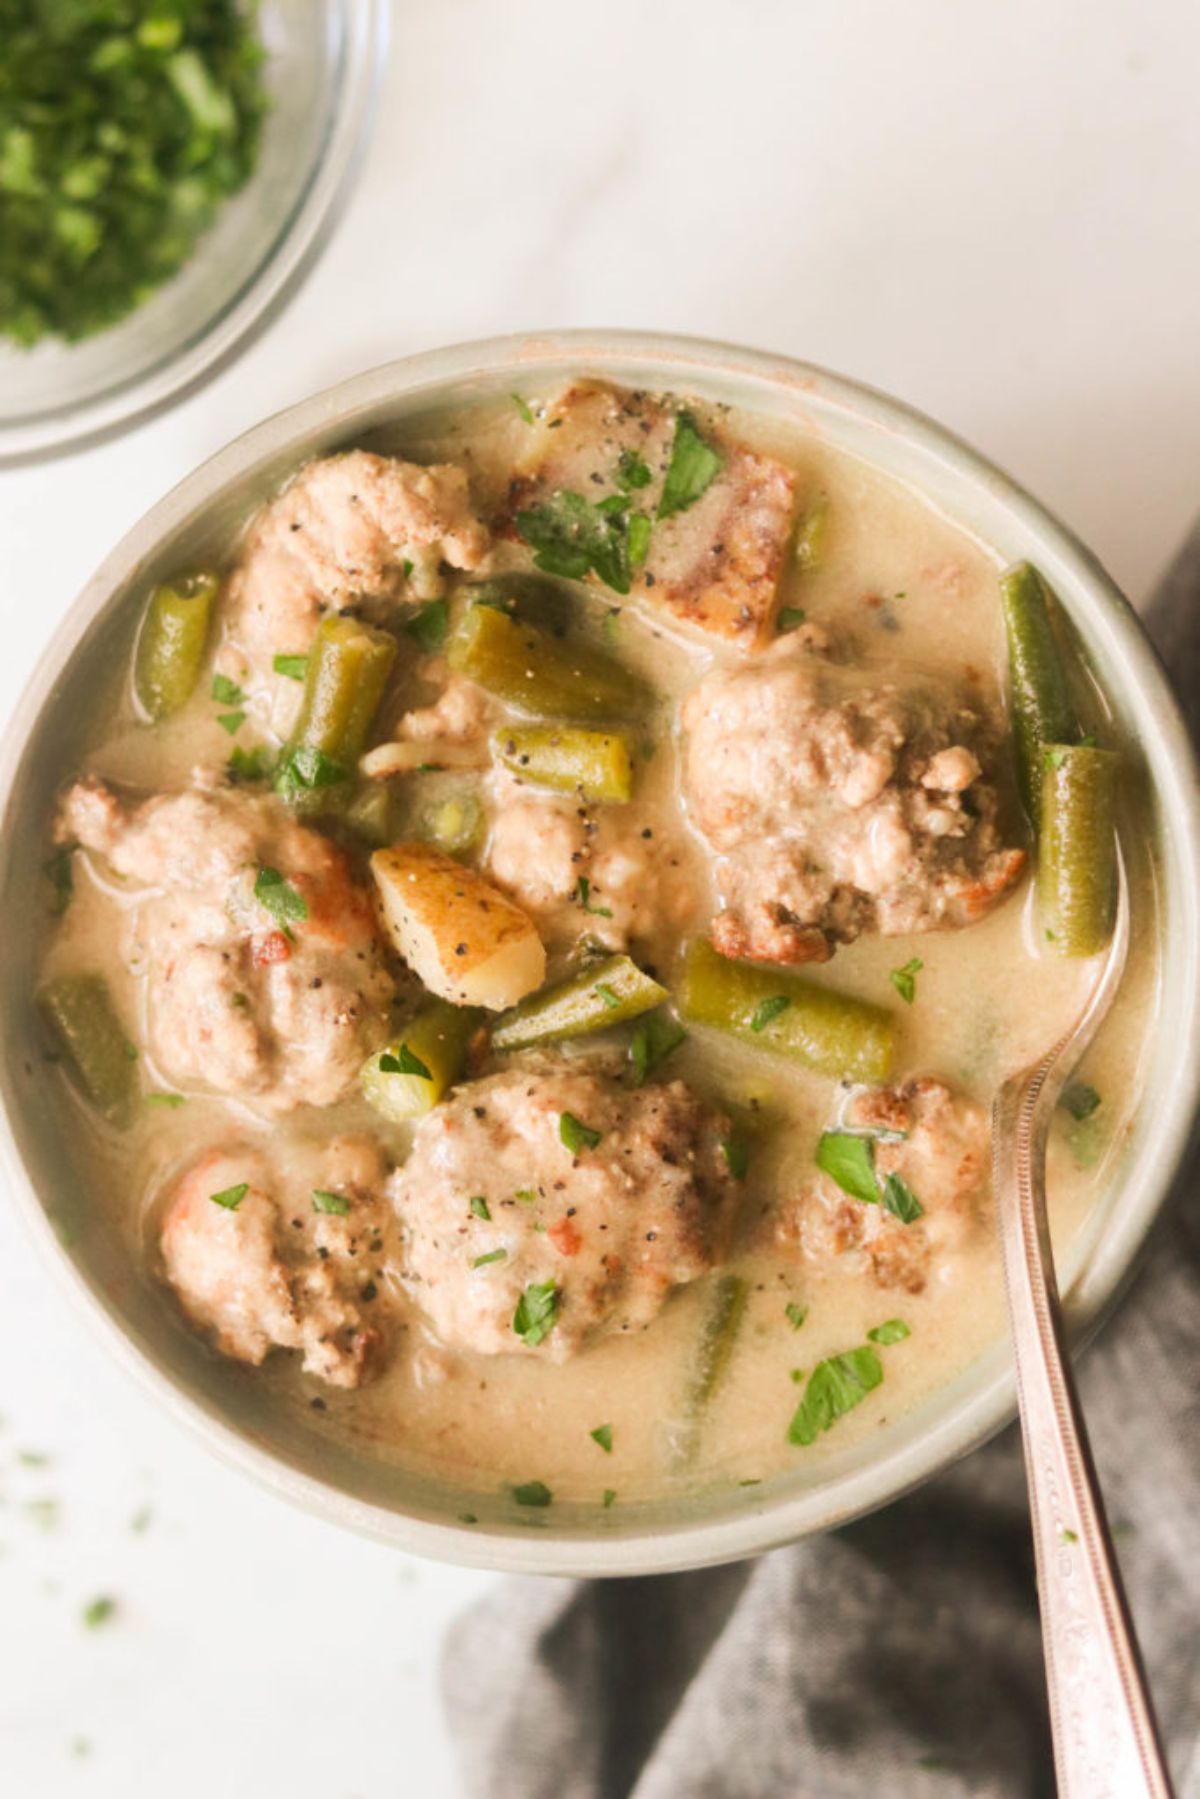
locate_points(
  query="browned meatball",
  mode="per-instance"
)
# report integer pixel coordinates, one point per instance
(494, 1202)
(937, 1142)
(840, 804)
(264, 1269)
(346, 529)
(235, 1001)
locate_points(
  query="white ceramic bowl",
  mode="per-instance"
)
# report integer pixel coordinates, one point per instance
(227, 1406)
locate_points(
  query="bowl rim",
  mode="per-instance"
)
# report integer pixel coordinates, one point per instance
(776, 1518)
(275, 279)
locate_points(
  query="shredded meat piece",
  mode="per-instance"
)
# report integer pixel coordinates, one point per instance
(542, 843)
(348, 529)
(613, 1228)
(268, 1271)
(841, 805)
(279, 1017)
(715, 565)
(460, 714)
(937, 1142)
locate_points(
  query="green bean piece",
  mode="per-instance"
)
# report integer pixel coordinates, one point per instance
(348, 669)
(721, 1327)
(102, 1059)
(728, 1297)
(543, 675)
(597, 764)
(172, 642)
(846, 1038)
(369, 814)
(811, 535)
(601, 995)
(1041, 706)
(1076, 874)
(455, 823)
(418, 1067)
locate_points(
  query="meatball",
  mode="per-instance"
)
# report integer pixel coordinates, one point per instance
(261, 956)
(937, 1142)
(541, 845)
(841, 805)
(256, 1266)
(346, 529)
(553, 1181)
(716, 563)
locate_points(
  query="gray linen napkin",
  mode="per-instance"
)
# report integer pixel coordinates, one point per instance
(900, 1656)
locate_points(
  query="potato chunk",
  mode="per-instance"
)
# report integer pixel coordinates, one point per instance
(465, 939)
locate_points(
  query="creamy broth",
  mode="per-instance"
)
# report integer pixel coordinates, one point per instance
(907, 593)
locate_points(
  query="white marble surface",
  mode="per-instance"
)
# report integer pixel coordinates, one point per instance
(988, 209)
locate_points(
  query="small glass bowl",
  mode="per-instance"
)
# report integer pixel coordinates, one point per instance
(323, 63)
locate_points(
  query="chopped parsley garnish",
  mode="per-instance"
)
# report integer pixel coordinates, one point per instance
(633, 471)
(403, 1061)
(849, 1160)
(171, 1101)
(98, 1611)
(525, 1196)
(602, 1435)
(231, 1197)
(894, 1331)
(904, 980)
(770, 1008)
(576, 1136)
(231, 722)
(536, 1313)
(467, 1518)
(523, 407)
(336, 1204)
(737, 1156)
(1080, 1100)
(294, 667)
(1054, 758)
(693, 468)
(249, 765)
(834, 1388)
(123, 130)
(279, 897)
(610, 1494)
(533, 1492)
(428, 626)
(584, 890)
(60, 872)
(1069, 1536)
(790, 619)
(479, 1208)
(639, 538)
(605, 993)
(795, 1314)
(226, 692)
(493, 1255)
(571, 537)
(900, 1200)
(304, 770)
(655, 1037)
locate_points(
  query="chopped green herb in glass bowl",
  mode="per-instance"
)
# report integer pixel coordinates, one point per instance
(168, 168)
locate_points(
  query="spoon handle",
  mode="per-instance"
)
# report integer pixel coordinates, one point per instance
(1106, 1742)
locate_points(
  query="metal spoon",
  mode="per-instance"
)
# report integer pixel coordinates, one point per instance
(1106, 1742)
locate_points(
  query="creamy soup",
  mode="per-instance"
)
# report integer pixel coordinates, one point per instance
(539, 929)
